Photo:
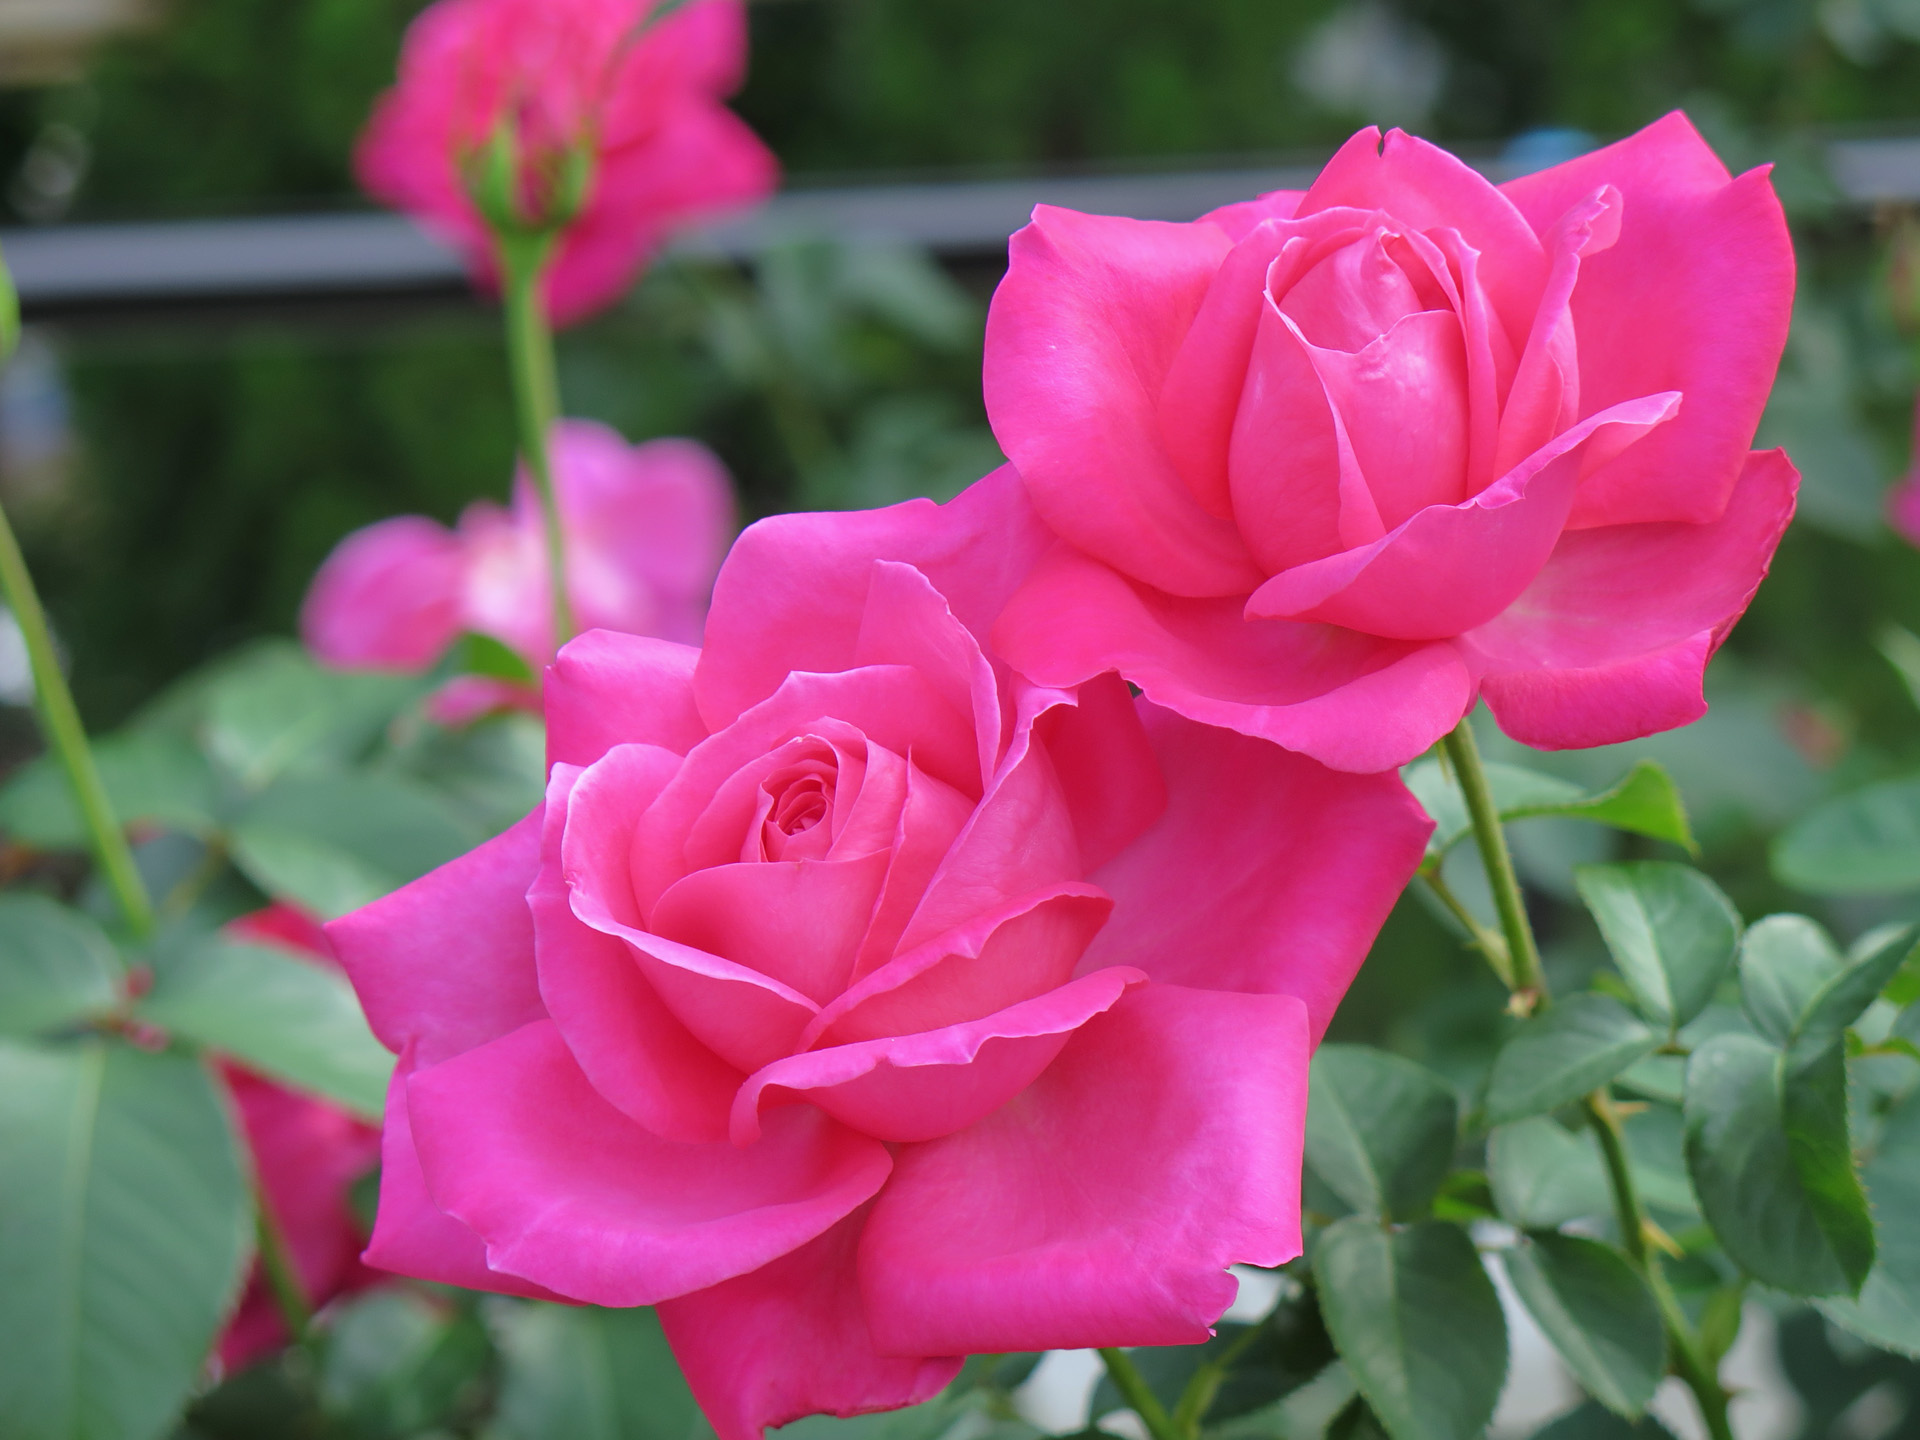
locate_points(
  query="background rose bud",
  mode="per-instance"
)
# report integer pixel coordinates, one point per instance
(646, 526)
(307, 1154)
(849, 998)
(571, 114)
(1327, 465)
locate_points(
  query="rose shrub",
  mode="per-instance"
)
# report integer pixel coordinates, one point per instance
(560, 78)
(308, 1153)
(1326, 465)
(862, 1005)
(646, 526)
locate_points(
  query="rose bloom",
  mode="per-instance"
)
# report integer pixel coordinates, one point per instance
(862, 1005)
(562, 75)
(1903, 500)
(645, 527)
(308, 1153)
(1325, 466)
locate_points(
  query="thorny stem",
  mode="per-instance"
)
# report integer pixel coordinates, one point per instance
(536, 399)
(1487, 942)
(1140, 1398)
(1530, 990)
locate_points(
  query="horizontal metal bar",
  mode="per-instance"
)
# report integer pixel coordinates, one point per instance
(64, 266)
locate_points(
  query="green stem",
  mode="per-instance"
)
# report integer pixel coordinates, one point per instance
(289, 1295)
(1486, 941)
(536, 399)
(1199, 1395)
(1140, 1398)
(1529, 983)
(1689, 1359)
(69, 739)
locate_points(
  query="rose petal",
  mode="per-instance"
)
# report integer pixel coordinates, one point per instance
(606, 689)
(1299, 865)
(570, 1193)
(396, 950)
(791, 1339)
(387, 598)
(1451, 568)
(793, 593)
(1423, 186)
(1080, 338)
(624, 1038)
(412, 1235)
(1694, 297)
(1240, 218)
(1103, 1205)
(1351, 701)
(996, 958)
(1105, 768)
(933, 1082)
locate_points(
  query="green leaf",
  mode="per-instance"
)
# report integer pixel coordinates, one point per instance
(151, 779)
(395, 1363)
(1669, 929)
(336, 842)
(1644, 801)
(581, 1373)
(1866, 843)
(477, 654)
(1561, 1055)
(1262, 1363)
(1380, 1130)
(124, 1227)
(282, 1014)
(1544, 1175)
(1784, 962)
(56, 966)
(1593, 1421)
(1772, 1167)
(1887, 1312)
(1418, 1324)
(1845, 997)
(1598, 1313)
(276, 711)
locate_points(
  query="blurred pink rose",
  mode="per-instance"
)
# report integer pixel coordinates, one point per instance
(1903, 500)
(1326, 465)
(308, 1153)
(854, 1001)
(562, 75)
(646, 526)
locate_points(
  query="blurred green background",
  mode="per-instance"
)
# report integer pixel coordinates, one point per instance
(177, 478)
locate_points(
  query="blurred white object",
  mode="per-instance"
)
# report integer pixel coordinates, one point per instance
(1366, 60)
(43, 41)
(16, 672)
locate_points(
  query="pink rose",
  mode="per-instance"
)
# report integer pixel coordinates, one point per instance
(1324, 466)
(646, 526)
(862, 1005)
(307, 1153)
(1903, 500)
(562, 76)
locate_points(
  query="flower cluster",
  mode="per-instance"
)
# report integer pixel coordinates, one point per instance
(930, 962)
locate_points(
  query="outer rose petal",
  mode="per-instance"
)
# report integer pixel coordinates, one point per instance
(1104, 766)
(1695, 297)
(1240, 218)
(1351, 701)
(1299, 865)
(397, 951)
(412, 1235)
(1080, 338)
(1103, 1205)
(793, 592)
(1610, 642)
(791, 1339)
(606, 689)
(570, 1193)
(934, 1082)
(387, 598)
